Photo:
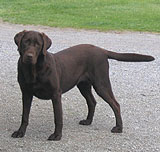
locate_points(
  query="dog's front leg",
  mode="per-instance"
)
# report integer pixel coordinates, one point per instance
(27, 101)
(58, 118)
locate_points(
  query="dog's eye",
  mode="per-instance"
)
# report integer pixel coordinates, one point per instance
(37, 44)
(27, 41)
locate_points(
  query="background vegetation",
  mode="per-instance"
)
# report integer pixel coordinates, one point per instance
(134, 15)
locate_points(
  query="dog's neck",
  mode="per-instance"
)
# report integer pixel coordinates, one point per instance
(30, 71)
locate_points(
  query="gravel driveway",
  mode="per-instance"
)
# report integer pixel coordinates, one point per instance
(135, 85)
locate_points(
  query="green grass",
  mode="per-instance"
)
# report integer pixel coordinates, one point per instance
(134, 15)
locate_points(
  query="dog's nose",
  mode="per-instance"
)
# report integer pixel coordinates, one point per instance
(30, 55)
(28, 58)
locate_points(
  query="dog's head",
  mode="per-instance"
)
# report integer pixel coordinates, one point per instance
(31, 45)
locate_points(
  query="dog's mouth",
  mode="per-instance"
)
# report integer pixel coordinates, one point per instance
(29, 59)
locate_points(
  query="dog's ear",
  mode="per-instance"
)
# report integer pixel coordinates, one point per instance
(18, 37)
(46, 43)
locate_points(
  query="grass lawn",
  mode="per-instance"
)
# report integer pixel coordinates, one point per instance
(103, 15)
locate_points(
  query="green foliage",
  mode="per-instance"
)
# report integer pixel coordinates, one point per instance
(136, 15)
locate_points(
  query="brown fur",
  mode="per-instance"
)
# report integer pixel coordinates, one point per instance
(48, 76)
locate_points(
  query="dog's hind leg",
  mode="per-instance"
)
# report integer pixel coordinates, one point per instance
(105, 92)
(103, 88)
(86, 92)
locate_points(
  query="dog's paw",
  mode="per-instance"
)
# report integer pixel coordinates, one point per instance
(54, 137)
(116, 129)
(18, 134)
(85, 122)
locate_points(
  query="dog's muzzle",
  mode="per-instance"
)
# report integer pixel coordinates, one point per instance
(29, 58)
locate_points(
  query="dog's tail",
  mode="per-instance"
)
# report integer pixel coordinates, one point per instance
(129, 57)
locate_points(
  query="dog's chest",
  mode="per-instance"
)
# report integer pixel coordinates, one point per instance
(43, 90)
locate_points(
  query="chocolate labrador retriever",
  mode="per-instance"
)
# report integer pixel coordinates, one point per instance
(48, 76)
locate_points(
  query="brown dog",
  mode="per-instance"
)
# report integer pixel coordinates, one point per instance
(47, 76)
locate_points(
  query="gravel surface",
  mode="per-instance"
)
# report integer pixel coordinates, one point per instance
(135, 85)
